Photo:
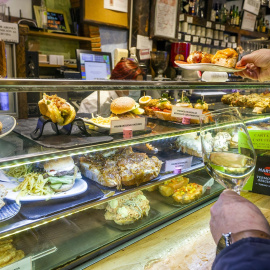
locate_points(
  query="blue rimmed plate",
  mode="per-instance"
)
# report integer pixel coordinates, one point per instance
(9, 210)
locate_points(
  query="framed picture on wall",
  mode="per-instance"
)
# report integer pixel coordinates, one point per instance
(164, 22)
(252, 6)
(56, 20)
(248, 21)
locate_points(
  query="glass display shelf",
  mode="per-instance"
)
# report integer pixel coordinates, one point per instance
(29, 151)
(42, 85)
(83, 235)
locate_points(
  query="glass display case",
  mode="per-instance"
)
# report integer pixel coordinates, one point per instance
(127, 187)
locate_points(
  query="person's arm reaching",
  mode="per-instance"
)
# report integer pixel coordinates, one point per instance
(250, 249)
(258, 65)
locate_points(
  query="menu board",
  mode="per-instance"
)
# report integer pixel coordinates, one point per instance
(57, 21)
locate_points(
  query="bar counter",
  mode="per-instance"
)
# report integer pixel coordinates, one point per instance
(185, 244)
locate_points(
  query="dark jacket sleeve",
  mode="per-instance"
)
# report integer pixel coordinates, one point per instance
(249, 253)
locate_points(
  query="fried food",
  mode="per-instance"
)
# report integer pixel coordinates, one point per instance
(199, 57)
(227, 58)
(188, 193)
(19, 254)
(57, 109)
(167, 188)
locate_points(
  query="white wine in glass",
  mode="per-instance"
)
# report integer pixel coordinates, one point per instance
(227, 150)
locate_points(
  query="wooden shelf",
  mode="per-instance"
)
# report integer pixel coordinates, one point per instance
(56, 66)
(59, 36)
(228, 28)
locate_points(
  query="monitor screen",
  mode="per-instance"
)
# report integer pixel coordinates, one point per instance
(94, 65)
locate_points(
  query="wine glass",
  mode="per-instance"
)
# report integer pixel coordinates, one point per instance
(227, 150)
(159, 62)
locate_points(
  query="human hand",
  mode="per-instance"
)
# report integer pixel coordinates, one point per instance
(257, 64)
(233, 213)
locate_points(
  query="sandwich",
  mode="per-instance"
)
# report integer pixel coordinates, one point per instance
(57, 109)
(199, 57)
(128, 208)
(227, 58)
(61, 174)
(120, 167)
(125, 107)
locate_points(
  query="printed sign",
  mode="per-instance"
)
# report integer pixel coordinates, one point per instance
(181, 17)
(202, 40)
(136, 124)
(187, 37)
(9, 32)
(23, 264)
(144, 54)
(188, 112)
(260, 139)
(216, 42)
(195, 39)
(209, 24)
(189, 19)
(208, 41)
(261, 182)
(181, 163)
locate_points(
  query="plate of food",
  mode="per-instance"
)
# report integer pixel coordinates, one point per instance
(223, 61)
(8, 209)
(60, 179)
(7, 124)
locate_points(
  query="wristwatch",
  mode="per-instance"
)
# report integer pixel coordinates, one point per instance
(229, 238)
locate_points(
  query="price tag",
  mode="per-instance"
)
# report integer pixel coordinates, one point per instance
(182, 163)
(217, 26)
(23, 264)
(195, 39)
(223, 44)
(117, 126)
(181, 17)
(202, 40)
(234, 45)
(188, 112)
(222, 27)
(216, 42)
(144, 54)
(208, 24)
(189, 19)
(187, 37)
(208, 41)
(229, 44)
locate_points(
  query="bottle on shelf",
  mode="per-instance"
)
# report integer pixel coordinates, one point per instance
(43, 15)
(237, 18)
(217, 12)
(191, 10)
(263, 26)
(232, 15)
(133, 56)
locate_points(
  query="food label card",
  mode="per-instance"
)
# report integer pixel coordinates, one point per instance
(117, 126)
(24, 264)
(181, 163)
(188, 112)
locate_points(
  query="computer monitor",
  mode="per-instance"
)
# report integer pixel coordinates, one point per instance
(94, 65)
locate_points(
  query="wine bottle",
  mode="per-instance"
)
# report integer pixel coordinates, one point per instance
(43, 15)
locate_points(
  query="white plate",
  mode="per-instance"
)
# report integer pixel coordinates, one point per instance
(8, 123)
(89, 121)
(207, 67)
(79, 187)
(9, 210)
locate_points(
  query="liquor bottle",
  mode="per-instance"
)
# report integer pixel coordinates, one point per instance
(43, 15)
(232, 15)
(223, 14)
(263, 27)
(217, 12)
(191, 7)
(237, 17)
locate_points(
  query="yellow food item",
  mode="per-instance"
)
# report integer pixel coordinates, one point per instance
(33, 184)
(19, 171)
(144, 100)
(104, 121)
(168, 188)
(188, 193)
